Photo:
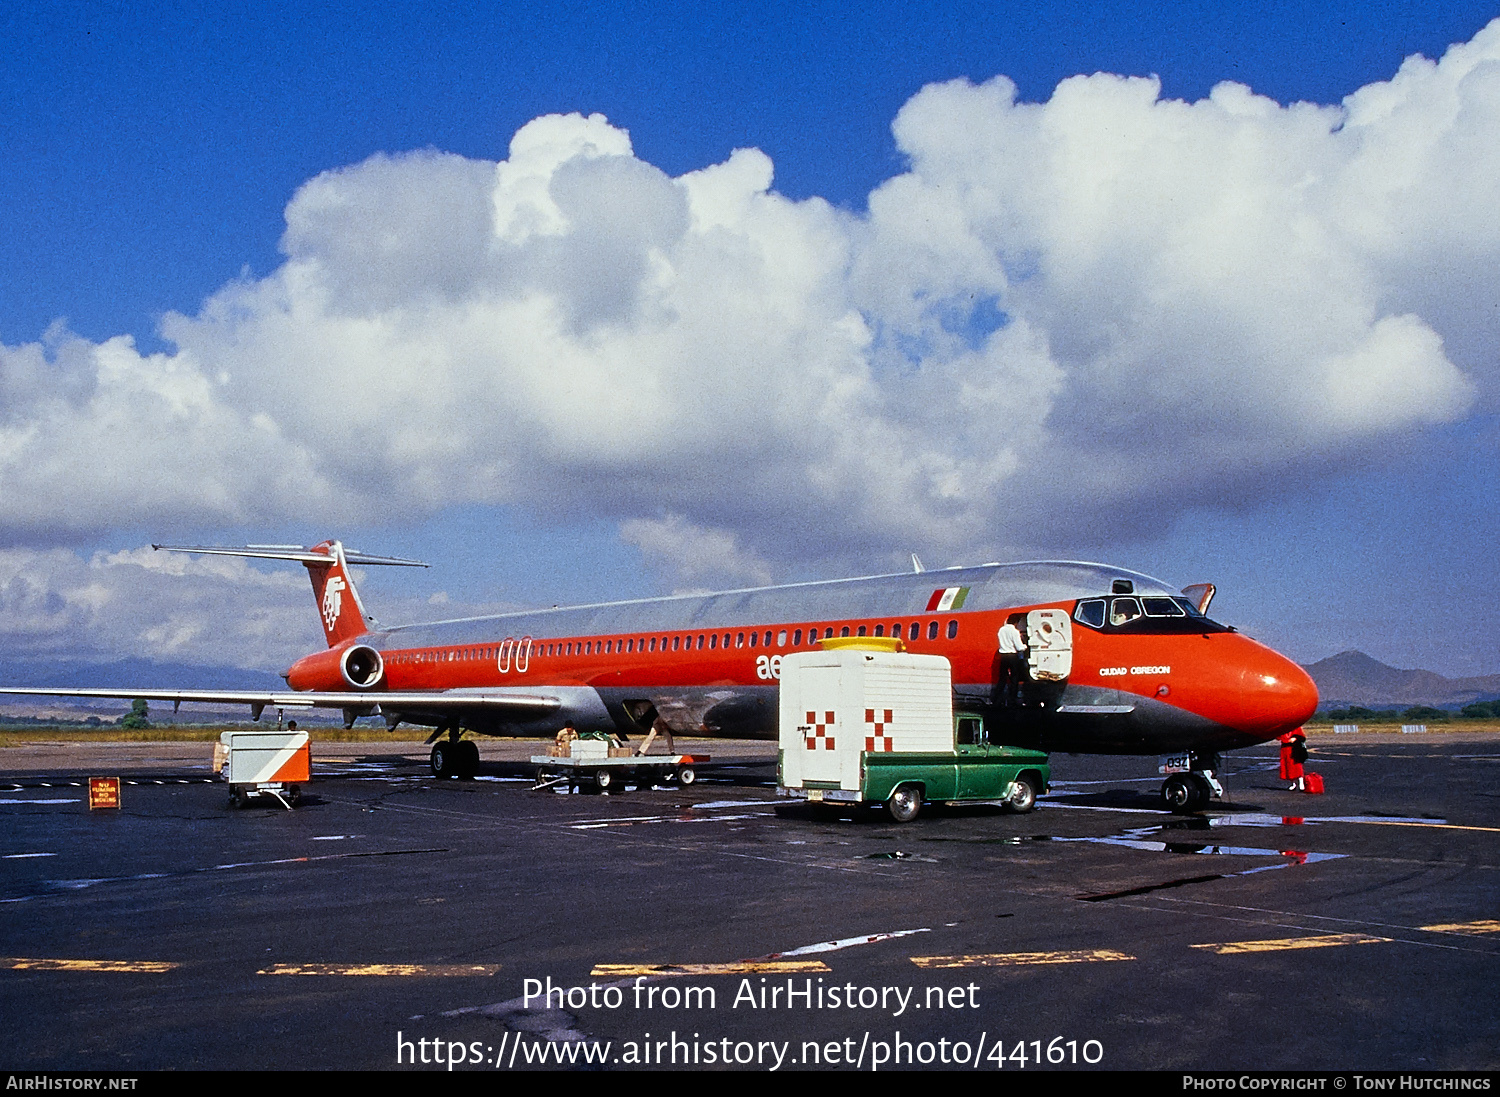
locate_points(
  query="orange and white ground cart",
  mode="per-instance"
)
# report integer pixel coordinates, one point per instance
(264, 763)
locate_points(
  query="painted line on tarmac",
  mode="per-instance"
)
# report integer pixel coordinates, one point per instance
(1021, 959)
(28, 963)
(1407, 823)
(1286, 919)
(408, 970)
(1466, 928)
(1048, 802)
(679, 846)
(1292, 944)
(53, 887)
(1120, 781)
(634, 973)
(846, 942)
(775, 962)
(637, 821)
(735, 967)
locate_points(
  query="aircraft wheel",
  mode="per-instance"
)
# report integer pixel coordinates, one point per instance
(905, 803)
(1205, 791)
(686, 775)
(468, 758)
(443, 762)
(1184, 795)
(1022, 796)
(603, 779)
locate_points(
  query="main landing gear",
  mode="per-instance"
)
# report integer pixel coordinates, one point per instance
(1192, 782)
(454, 757)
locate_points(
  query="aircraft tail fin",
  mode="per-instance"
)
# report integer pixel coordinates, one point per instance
(327, 564)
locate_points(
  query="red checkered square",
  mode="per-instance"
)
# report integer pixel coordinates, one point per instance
(821, 730)
(879, 739)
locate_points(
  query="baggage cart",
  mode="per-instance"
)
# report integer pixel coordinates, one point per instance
(595, 762)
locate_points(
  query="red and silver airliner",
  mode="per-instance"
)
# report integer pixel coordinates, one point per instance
(1117, 662)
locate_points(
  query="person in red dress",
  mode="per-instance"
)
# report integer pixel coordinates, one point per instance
(1293, 754)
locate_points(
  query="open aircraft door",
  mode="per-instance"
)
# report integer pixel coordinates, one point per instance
(1049, 644)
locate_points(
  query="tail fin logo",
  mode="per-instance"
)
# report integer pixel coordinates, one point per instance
(333, 601)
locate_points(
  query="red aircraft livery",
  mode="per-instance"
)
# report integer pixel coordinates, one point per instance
(1115, 662)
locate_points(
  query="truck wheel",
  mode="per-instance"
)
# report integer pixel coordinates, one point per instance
(603, 779)
(1022, 796)
(905, 803)
(685, 775)
(294, 795)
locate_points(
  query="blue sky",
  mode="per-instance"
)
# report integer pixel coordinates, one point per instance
(151, 153)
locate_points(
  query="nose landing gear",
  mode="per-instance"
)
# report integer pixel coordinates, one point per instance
(1191, 783)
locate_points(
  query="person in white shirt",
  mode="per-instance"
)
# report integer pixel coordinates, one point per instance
(1012, 656)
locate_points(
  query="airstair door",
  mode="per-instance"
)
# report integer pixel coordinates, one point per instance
(1049, 644)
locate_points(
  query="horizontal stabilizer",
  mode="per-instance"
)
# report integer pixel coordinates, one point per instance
(292, 552)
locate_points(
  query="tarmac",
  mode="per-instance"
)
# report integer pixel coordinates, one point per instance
(398, 921)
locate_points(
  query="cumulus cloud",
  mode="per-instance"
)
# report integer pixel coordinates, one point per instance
(170, 607)
(1107, 306)
(703, 559)
(152, 604)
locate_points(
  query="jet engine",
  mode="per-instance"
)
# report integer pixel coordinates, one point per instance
(362, 666)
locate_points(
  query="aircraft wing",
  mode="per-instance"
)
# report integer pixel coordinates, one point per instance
(259, 700)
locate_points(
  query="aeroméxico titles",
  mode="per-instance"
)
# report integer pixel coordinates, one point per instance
(1118, 663)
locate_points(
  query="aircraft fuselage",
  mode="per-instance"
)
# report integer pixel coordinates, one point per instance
(1144, 672)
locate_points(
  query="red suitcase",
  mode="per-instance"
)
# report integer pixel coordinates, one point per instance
(1314, 783)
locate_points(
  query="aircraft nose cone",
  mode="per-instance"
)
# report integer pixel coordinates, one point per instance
(1279, 695)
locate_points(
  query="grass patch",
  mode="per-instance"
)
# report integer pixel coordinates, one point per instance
(1434, 727)
(42, 733)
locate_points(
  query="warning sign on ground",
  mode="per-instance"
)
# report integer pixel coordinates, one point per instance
(104, 792)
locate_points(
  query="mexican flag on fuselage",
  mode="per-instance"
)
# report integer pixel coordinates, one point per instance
(946, 599)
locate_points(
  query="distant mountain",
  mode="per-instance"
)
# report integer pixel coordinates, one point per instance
(1354, 678)
(124, 673)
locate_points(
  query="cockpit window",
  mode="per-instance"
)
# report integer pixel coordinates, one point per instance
(1162, 607)
(1144, 614)
(1090, 612)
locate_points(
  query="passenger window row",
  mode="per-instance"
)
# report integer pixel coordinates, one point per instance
(710, 641)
